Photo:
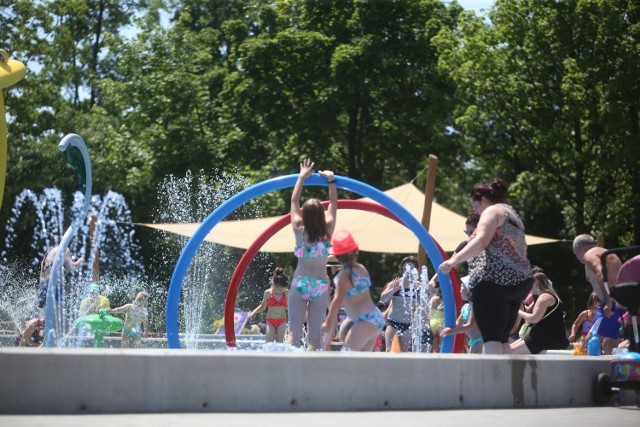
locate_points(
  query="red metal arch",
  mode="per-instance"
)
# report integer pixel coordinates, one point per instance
(250, 253)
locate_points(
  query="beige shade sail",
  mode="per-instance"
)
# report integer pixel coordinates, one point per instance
(373, 232)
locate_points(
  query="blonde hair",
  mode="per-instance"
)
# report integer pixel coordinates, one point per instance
(141, 296)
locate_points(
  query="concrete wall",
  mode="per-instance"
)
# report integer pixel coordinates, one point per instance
(157, 380)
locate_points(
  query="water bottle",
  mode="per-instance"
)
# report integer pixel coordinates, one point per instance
(593, 346)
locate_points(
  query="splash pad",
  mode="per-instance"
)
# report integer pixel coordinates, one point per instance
(59, 313)
(288, 181)
(108, 239)
(285, 220)
(148, 380)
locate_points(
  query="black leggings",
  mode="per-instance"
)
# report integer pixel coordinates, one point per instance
(495, 308)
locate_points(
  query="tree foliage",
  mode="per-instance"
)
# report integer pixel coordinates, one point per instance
(549, 95)
(542, 93)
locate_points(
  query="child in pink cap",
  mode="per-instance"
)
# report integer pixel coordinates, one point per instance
(365, 321)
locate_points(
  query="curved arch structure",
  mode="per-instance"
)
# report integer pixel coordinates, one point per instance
(288, 181)
(11, 71)
(77, 155)
(268, 233)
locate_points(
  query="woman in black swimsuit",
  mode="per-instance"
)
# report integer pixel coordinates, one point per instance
(547, 317)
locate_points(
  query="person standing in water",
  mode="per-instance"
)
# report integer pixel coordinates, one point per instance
(312, 228)
(93, 302)
(500, 274)
(275, 301)
(608, 317)
(45, 272)
(353, 290)
(403, 296)
(135, 320)
(466, 324)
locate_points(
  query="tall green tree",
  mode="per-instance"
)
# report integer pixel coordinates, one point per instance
(353, 84)
(549, 95)
(254, 86)
(63, 44)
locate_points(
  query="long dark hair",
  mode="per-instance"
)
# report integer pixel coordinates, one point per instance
(495, 191)
(408, 260)
(280, 279)
(545, 287)
(472, 218)
(315, 224)
(348, 258)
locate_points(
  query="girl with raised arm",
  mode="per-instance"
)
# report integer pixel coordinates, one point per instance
(312, 228)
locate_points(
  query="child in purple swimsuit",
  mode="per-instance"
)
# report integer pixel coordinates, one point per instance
(312, 228)
(352, 291)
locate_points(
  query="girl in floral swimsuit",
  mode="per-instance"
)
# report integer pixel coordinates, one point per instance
(312, 228)
(275, 301)
(353, 290)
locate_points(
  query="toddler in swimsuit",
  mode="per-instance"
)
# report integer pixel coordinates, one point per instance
(352, 292)
(466, 323)
(135, 320)
(437, 319)
(275, 301)
(585, 320)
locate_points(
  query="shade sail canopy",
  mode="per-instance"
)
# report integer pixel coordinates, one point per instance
(373, 232)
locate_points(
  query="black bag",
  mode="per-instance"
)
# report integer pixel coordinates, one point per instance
(525, 329)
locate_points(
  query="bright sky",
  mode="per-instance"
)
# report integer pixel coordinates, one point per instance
(477, 5)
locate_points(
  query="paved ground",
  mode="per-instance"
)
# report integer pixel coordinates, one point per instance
(567, 417)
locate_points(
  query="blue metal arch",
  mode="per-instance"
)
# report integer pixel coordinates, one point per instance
(289, 181)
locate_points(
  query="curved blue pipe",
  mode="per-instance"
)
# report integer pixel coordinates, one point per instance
(77, 155)
(231, 204)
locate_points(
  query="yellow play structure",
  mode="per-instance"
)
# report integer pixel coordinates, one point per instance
(11, 71)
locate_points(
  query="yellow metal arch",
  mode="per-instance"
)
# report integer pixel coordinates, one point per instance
(11, 71)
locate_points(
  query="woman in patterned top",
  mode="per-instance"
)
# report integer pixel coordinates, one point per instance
(500, 275)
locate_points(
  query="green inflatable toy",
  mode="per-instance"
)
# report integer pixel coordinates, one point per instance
(99, 325)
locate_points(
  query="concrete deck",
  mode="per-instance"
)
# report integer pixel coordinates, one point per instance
(86, 380)
(584, 417)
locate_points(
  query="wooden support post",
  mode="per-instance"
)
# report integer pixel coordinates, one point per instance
(429, 188)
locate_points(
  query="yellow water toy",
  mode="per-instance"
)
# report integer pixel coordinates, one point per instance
(11, 72)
